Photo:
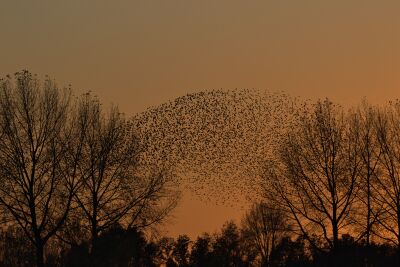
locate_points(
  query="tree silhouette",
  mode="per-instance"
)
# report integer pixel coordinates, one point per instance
(201, 250)
(226, 248)
(264, 226)
(363, 122)
(37, 156)
(181, 250)
(291, 253)
(115, 247)
(315, 177)
(166, 250)
(114, 190)
(387, 193)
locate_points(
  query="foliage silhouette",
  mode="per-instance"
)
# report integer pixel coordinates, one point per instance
(114, 247)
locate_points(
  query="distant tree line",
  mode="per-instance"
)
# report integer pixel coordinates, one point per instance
(264, 238)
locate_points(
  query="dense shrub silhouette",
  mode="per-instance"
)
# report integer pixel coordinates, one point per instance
(116, 247)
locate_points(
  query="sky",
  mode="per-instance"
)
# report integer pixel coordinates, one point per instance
(139, 54)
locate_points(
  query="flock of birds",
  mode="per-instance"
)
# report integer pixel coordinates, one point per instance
(217, 141)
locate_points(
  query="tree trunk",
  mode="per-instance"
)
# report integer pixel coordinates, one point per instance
(368, 234)
(94, 233)
(398, 225)
(335, 249)
(369, 226)
(335, 236)
(398, 233)
(39, 254)
(335, 228)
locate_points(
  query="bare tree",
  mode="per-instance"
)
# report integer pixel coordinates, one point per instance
(115, 189)
(264, 226)
(37, 158)
(363, 122)
(387, 188)
(315, 176)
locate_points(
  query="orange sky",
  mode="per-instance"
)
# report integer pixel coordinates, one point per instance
(142, 53)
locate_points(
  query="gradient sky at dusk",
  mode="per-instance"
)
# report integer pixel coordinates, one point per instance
(142, 53)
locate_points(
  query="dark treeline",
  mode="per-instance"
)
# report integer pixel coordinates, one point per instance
(270, 243)
(82, 185)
